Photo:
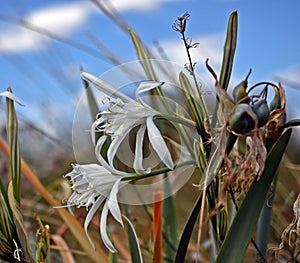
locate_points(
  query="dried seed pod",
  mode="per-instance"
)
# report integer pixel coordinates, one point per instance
(242, 120)
(261, 110)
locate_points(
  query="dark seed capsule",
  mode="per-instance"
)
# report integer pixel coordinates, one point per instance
(261, 109)
(241, 121)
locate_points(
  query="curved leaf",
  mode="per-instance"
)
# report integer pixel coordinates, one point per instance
(235, 245)
(187, 232)
(18, 220)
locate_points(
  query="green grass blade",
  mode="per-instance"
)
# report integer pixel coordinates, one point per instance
(6, 223)
(14, 147)
(18, 220)
(187, 232)
(142, 55)
(170, 222)
(135, 250)
(198, 113)
(235, 245)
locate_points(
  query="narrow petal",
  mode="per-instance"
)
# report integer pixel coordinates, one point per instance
(94, 129)
(98, 148)
(104, 86)
(146, 86)
(158, 143)
(103, 230)
(112, 202)
(114, 146)
(90, 215)
(138, 159)
(11, 96)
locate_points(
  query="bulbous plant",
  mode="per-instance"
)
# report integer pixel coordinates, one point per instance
(236, 152)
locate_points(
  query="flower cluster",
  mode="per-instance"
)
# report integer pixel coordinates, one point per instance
(95, 184)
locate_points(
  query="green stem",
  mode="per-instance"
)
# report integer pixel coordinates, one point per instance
(134, 177)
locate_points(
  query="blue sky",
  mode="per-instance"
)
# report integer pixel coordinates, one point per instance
(44, 73)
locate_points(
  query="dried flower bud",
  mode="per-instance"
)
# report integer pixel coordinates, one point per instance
(242, 120)
(261, 110)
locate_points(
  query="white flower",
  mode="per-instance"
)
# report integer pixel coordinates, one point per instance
(119, 120)
(92, 185)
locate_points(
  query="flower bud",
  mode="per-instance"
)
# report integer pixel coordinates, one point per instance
(239, 91)
(275, 103)
(242, 119)
(261, 110)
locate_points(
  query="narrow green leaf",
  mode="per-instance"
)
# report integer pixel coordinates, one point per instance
(228, 57)
(3, 191)
(170, 222)
(6, 224)
(135, 250)
(14, 147)
(187, 232)
(239, 235)
(18, 220)
(229, 50)
(197, 107)
(142, 55)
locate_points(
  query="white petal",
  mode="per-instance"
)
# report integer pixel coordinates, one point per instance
(103, 231)
(138, 159)
(104, 86)
(98, 147)
(90, 215)
(159, 144)
(94, 127)
(11, 96)
(114, 146)
(112, 202)
(146, 86)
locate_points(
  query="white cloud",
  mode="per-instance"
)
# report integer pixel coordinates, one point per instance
(290, 76)
(142, 5)
(210, 46)
(60, 19)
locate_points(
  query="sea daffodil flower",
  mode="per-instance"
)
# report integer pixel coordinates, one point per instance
(119, 120)
(93, 185)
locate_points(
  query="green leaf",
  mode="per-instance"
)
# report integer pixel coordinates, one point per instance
(135, 250)
(18, 220)
(145, 61)
(14, 147)
(170, 222)
(227, 62)
(239, 235)
(229, 50)
(187, 232)
(198, 112)
(142, 55)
